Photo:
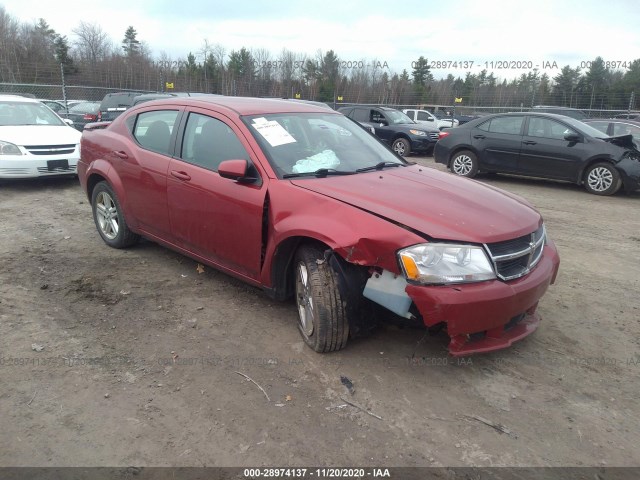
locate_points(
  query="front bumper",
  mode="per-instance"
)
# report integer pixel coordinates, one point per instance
(26, 167)
(487, 316)
(422, 144)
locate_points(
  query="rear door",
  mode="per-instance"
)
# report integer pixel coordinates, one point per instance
(214, 217)
(498, 142)
(142, 166)
(546, 153)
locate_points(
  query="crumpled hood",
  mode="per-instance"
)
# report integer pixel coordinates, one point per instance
(40, 134)
(437, 204)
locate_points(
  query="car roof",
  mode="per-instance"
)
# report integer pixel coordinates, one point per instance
(630, 121)
(242, 105)
(531, 114)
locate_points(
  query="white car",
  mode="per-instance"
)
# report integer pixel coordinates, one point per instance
(424, 116)
(34, 141)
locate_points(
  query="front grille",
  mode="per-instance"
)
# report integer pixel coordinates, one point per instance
(69, 169)
(50, 149)
(434, 135)
(515, 258)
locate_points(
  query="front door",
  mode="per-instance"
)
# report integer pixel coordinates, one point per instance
(214, 217)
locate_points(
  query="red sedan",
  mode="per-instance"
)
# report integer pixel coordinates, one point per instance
(301, 201)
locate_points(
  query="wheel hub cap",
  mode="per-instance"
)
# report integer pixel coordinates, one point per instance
(304, 300)
(462, 165)
(600, 179)
(107, 215)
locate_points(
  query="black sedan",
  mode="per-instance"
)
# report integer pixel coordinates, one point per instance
(614, 127)
(83, 113)
(542, 145)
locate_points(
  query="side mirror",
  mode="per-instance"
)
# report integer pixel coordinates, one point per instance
(572, 137)
(235, 170)
(68, 122)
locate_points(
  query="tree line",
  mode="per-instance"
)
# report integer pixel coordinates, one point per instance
(37, 54)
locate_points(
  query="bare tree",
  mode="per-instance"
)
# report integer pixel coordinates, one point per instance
(93, 43)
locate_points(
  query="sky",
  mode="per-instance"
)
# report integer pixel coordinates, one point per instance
(496, 35)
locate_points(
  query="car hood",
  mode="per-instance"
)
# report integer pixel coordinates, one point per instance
(436, 204)
(624, 141)
(405, 127)
(40, 134)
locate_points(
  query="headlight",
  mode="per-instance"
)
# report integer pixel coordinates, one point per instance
(419, 133)
(445, 263)
(7, 148)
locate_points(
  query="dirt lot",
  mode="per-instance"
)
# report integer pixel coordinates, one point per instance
(140, 354)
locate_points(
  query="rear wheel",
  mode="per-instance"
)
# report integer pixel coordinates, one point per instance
(109, 219)
(322, 319)
(401, 146)
(465, 164)
(602, 179)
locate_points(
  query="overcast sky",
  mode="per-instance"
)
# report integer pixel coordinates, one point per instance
(537, 31)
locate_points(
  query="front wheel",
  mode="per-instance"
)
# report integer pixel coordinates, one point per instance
(465, 164)
(401, 146)
(109, 218)
(322, 319)
(602, 179)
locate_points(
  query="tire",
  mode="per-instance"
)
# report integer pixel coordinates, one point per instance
(464, 163)
(401, 146)
(602, 179)
(109, 219)
(322, 319)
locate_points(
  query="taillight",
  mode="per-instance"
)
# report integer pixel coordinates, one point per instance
(441, 135)
(89, 117)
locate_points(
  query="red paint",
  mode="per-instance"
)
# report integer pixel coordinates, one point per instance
(365, 218)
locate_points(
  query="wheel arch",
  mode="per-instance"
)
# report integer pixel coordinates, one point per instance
(282, 264)
(589, 163)
(459, 148)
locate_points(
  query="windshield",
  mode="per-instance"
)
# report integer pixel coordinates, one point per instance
(23, 113)
(395, 117)
(299, 143)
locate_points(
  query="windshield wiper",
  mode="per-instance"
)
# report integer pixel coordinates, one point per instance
(379, 166)
(320, 173)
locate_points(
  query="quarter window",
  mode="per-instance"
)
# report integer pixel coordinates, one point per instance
(209, 141)
(153, 130)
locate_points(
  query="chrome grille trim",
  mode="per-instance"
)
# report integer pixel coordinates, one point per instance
(50, 149)
(515, 258)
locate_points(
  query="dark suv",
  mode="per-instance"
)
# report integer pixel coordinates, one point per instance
(395, 128)
(113, 104)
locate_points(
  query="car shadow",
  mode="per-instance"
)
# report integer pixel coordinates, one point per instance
(30, 184)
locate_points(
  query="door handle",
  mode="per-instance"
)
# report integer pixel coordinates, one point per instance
(120, 154)
(480, 137)
(181, 175)
(529, 142)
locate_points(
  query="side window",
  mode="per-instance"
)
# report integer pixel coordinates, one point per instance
(547, 128)
(360, 115)
(423, 116)
(602, 126)
(153, 129)
(511, 125)
(377, 117)
(484, 126)
(209, 141)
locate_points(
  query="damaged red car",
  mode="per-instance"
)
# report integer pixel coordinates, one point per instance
(303, 202)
